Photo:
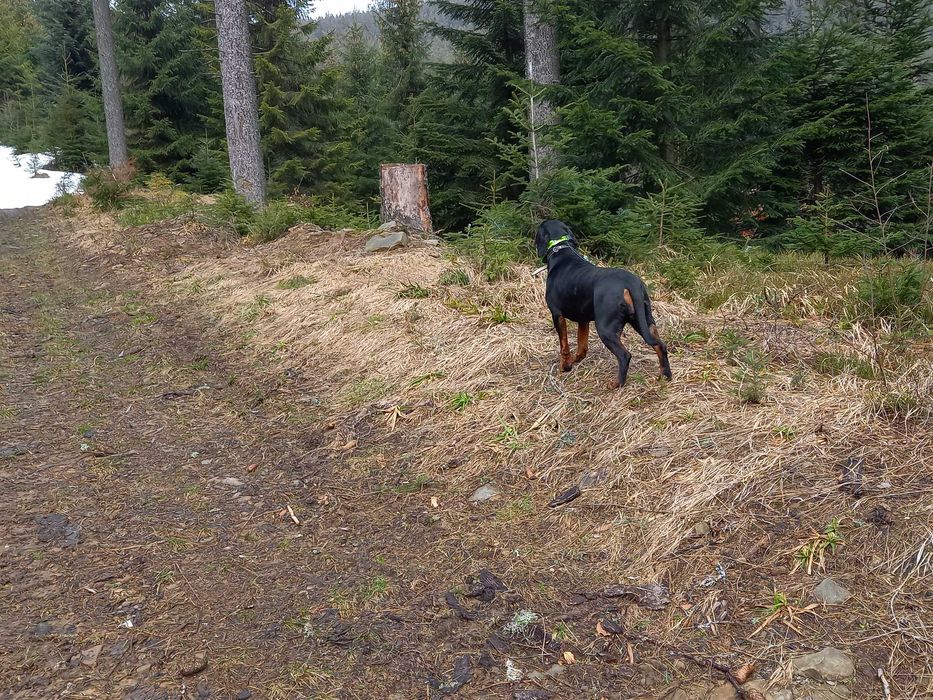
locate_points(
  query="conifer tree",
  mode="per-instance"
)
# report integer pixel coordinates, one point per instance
(404, 51)
(67, 69)
(19, 32)
(297, 104)
(365, 127)
(173, 107)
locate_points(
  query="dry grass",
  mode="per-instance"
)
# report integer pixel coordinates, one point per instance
(763, 477)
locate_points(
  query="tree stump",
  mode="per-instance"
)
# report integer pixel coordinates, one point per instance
(404, 189)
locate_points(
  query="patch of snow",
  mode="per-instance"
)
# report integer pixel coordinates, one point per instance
(18, 188)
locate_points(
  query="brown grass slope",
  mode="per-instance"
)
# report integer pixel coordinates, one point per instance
(428, 390)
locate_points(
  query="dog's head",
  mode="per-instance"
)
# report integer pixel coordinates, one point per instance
(552, 230)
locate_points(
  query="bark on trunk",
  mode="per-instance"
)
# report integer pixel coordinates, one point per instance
(241, 110)
(110, 85)
(662, 52)
(542, 66)
(404, 190)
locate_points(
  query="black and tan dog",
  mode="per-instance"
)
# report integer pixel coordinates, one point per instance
(578, 290)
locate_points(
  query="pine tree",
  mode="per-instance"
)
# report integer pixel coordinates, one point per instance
(865, 126)
(67, 69)
(297, 102)
(542, 70)
(173, 107)
(19, 31)
(74, 130)
(404, 50)
(464, 155)
(365, 126)
(67, 44)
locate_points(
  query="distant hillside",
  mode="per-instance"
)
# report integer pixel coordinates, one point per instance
(439, 49)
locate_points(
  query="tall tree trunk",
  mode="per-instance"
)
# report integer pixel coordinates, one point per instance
(241, 110)
(542, 66)
(110, 85)
(662, 53)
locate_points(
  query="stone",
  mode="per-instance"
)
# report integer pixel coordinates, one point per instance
(232, 481)
(829, 592)
(43, 629)
(828, 664)
(676, 695)
(57, 527)
(758, 684)
(386, 241)
(486, 492)
(723, 692)
(825, 691)
(388, 226)
(786, 694)
(14, 451)
(244, 695)
(193, 665)
(89, 656)
(701, 529)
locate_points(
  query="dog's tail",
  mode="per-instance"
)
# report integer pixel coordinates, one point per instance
(644, 320)
(644, 324)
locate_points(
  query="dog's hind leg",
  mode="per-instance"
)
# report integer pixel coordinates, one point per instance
(583, 340)
(649, 331)
(560, 325)
(610, 338)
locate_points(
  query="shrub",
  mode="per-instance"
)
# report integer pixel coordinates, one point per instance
(272, 221)
(752, 377)
(668, 218)
(499, 236)
(230, 211)
(590, 202)
(456, 277)
(106, 190)
(332, 214)
(896, 292)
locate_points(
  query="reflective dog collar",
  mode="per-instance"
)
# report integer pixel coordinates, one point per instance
(553, 246)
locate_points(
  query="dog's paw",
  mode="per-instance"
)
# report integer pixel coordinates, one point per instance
(614, 384)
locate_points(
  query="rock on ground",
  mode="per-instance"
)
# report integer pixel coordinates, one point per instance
(485, 492)
(831, 593)
(828, 664)
(386, 241)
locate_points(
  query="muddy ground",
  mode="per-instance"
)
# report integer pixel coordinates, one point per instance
(174, 527)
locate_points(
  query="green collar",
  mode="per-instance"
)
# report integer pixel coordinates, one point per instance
(553, 243)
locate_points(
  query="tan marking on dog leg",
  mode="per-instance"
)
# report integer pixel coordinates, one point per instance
(565, 362)
(583, 341)
(627, 295)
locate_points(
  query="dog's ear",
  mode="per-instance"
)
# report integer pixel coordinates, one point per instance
(541, 241)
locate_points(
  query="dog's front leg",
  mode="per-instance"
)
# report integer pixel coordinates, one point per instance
(560, 325)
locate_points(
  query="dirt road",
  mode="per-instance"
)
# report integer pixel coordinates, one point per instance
(143, 478)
